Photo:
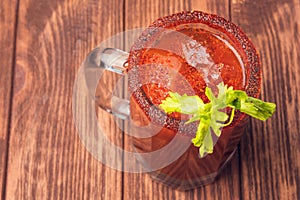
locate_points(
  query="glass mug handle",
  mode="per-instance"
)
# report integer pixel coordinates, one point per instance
(97, 62)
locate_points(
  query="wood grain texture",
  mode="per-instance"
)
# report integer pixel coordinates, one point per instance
(46, 157)
(7, 33)
(141, 186)
(272, 147)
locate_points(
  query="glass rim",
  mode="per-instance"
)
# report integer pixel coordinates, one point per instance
(243, 45)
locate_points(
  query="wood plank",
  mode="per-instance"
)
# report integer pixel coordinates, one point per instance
(272, 147)
(7, 33)
(141, 186)
(47, 159)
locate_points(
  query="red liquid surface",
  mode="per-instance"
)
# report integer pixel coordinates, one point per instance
(170, 51)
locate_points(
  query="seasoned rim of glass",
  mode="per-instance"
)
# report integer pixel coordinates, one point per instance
(242, 43)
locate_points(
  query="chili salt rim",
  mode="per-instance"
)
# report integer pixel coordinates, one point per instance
(232, 31)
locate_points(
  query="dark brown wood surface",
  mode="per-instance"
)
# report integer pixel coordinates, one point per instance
(7, 44)
(46, 159)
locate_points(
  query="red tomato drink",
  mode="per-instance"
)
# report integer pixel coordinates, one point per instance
(204, 50)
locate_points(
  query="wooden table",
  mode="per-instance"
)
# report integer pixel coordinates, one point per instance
(42, 46)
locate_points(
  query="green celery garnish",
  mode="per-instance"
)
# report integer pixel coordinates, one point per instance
(209, 114)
